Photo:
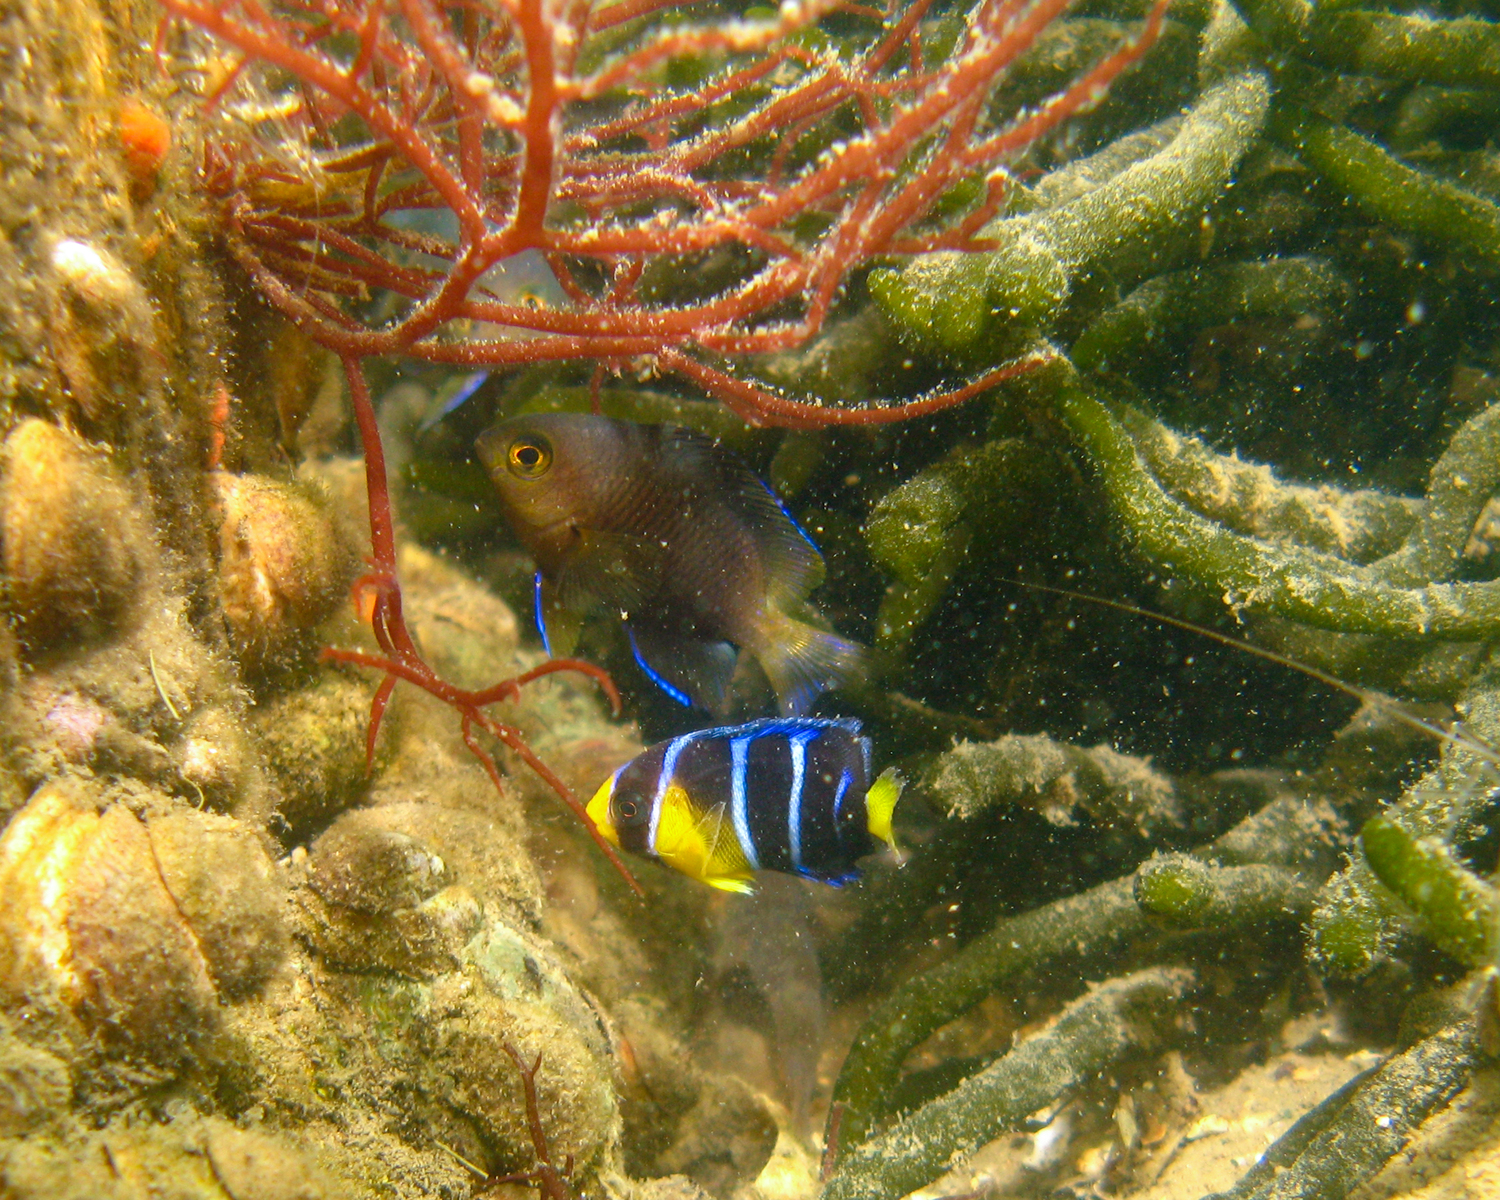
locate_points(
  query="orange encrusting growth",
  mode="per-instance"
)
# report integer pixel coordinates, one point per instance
(145, 139)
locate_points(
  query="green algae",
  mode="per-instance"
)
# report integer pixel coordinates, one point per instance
(1129, 209)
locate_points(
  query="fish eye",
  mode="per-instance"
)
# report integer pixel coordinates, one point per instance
(530, 456)
(627, 809)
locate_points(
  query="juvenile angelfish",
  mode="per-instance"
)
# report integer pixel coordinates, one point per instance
(718, 805)
(670, 530)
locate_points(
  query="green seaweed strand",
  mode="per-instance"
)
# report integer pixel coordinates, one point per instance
(1094, 926)
(1458, 908)
(1390, 191)
(1461, 52)
(1099, 1029)
(1316, 589)
(1345, 1140)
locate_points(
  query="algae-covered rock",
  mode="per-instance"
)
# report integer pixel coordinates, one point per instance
(68, 535)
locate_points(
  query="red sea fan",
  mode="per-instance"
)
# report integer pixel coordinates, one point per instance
(422, 142)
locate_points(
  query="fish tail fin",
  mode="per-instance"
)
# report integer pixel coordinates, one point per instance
(803, 661)
(880, 804)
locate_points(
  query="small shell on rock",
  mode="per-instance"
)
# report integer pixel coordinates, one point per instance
(68, 536)
(283, 567)
(120, 931)
(313, 740)
(383, 900)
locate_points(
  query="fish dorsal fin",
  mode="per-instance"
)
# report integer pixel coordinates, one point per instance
(792, 564)
(691, 671)
(880, 805)
(616, 569)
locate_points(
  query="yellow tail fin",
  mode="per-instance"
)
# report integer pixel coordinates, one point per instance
(880, 803)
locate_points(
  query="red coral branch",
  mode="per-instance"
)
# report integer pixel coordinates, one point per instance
(401, 661)
(533, 131)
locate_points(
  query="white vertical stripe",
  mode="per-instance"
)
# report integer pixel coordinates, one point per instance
(794, 801)
(739, 751)
(663, 781)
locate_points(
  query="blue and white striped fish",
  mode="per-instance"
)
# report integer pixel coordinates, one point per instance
(720, 804)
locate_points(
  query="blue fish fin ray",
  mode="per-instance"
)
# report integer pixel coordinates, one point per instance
(559, 626)
(691, 671)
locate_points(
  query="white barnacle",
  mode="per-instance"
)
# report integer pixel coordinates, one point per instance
(94, 274)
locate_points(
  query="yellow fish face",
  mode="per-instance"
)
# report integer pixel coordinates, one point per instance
(599, 814)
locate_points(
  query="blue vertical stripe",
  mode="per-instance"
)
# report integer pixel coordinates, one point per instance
(541, 617)
(739, 752)
(798, 745)
(845, 780)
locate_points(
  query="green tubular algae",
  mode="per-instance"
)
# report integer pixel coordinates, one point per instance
(1184, 892)
(1212, 295)
(1094, 925)
(1112, 1021)
(1461, 52)
(1088, 929)
(1356, 1131)
(1316, 589)
(1364, 912)
(1391, 191)
(1121, 223)
(921, 531)
(1247, 497)
(1458, 909)
(1055, 778)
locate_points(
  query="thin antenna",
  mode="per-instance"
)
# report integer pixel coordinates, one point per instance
(1456, 736)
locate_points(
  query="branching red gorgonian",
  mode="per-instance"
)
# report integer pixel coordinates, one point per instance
(702, 184)
(406, 147)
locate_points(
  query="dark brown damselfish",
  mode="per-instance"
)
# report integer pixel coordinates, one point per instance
(669, 530)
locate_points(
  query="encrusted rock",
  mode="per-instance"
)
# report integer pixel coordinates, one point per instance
(68, 536)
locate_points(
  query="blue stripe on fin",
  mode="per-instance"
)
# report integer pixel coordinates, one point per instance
(787, 513)
(790, 726)
(656, 676)
(466, 389)
(541, 617)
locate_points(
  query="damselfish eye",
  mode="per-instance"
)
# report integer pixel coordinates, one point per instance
(530, 456)
(627, 809)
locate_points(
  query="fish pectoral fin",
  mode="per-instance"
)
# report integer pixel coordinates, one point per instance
(723, 851)
(691, 671)
(617, 569)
